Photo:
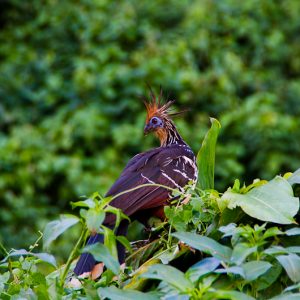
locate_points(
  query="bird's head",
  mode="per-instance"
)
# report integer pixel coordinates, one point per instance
(159, 117)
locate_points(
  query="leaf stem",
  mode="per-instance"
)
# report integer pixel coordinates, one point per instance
(147, 185)
(169, 242)
(72, 256)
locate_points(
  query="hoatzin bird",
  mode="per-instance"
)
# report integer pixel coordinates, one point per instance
(173, 164)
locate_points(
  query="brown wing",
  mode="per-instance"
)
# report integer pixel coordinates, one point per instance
(171, 166)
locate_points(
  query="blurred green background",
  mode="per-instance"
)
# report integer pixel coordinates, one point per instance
(72, 73)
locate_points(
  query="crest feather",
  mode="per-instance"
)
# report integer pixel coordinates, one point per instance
(156, 106)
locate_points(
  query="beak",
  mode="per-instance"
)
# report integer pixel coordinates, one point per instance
(148, 128)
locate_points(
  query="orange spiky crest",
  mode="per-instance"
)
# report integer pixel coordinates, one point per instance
(156, 107)
(166, 132)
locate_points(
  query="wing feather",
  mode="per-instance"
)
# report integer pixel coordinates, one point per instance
(161, 166)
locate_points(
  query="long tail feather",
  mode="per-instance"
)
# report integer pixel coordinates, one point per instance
(87, 262)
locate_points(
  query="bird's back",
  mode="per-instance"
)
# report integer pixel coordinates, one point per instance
(173, 166)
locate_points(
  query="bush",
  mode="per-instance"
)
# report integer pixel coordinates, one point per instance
(72, 74)
(211, 245)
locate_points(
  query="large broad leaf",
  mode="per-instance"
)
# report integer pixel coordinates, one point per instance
(291, 264)
(254, 269)
(117, 294)
(170, 275)
(272, 202)
(102, 253)
(206, 156)
(55, 228)
(205, 244)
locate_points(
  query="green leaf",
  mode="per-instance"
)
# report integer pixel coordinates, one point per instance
(136, 231)
(291, 264)
(295, 296)
(168, 255)
(231, 295)
(89, 203)
(272, 202)
(170, 275)
(228, 230)
(292, 287)
(203, 267)
(293, 231)
(205, 244)
(45, 257)
(229, 215)
(206, 156)
(254, 269)
(117, 294)
(118, 212)
(102, 253)
(137, 282)
(293, 249)
(3, 280)
(294, 178)
(281, 250)
(142, 254)
(168, 292)
(55, 228)
(94, 217)
(240, 253)
(110, 241)
(275, 250)
(232, 270)
(271, 232)
(268, 278)
(124, 241)
(178, 217)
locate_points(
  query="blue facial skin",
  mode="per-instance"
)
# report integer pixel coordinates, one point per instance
(153, 124)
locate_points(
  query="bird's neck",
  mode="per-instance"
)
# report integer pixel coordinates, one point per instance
(169, 135)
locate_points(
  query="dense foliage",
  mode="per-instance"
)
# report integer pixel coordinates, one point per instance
(71, 77)
(210, 246)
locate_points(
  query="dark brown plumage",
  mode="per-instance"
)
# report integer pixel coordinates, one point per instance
(173, 164)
